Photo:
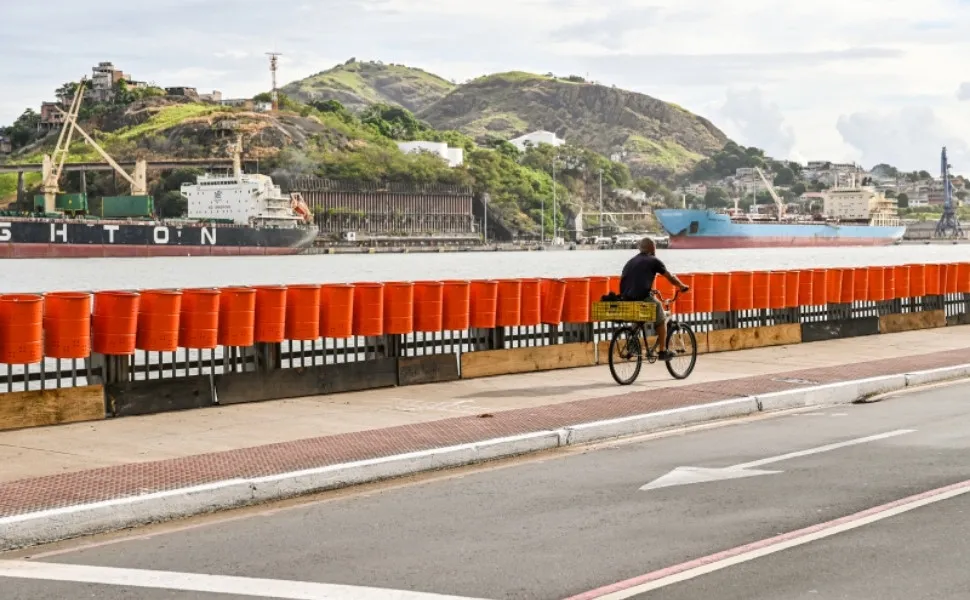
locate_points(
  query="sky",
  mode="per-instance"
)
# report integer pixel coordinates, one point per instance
(868, 81)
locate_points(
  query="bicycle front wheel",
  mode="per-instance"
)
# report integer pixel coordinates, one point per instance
(682, 343)
(626, 354)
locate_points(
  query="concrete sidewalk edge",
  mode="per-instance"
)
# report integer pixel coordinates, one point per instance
(53, 525)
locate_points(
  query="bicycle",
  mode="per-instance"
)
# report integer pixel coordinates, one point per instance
(628, 340)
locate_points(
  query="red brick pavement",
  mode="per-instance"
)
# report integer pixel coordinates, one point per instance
(54, 491)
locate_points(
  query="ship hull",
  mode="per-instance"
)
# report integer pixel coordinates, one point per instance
(98, 239)
(700, 229)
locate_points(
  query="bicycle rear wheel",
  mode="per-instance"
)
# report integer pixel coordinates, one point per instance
(626, 354)
(682, 343)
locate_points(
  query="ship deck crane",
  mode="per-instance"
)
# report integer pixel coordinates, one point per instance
(138, 180)
(774, 195)
(949, 224)
(54, 162)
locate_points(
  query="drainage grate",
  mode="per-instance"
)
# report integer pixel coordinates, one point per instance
(794, 380)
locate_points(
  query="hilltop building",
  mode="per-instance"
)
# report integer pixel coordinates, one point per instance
(455, 157)
(535, 138)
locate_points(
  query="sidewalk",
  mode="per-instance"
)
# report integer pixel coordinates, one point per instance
(77, 464)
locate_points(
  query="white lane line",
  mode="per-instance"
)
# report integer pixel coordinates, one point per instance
(741, 554)
(218, 584)
(826, 448)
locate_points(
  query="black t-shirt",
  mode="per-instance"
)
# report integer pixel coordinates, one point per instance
(638, 275)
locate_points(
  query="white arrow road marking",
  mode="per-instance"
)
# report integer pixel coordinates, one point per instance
(689, 475)
(193, 582)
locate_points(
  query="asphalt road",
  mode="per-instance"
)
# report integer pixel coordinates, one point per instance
(571, 522)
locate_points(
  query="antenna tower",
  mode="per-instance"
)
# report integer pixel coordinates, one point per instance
(273, 63)
(949, 225)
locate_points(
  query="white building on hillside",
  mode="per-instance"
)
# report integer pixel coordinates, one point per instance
(455, 157)
(535, 138)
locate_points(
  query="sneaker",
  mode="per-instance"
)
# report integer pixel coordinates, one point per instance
(666, 355)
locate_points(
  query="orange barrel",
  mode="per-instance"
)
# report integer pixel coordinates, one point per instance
(303, 312)
(398, 307)
(530, 309)
(455, 305)
(553, 296)
(721, 299)
(950, 285)
(67, 325)
(598, 287)
(115, 322)
(615, 284)
(917, 281)
(576, 303)
(336, 310)
(237, 316)
(889, 283)
(836, 278)
(484, 301)
(703, 292)
(508, 308)
(847, 291)
(685, 302)
(877, 284)
(792, 279)
(963, 278)
(806, 296)
(777, 289)
(199, 319)
(742, 290)
(665, 288)
(368, 309)
(820, 286)
(21, 329)
(860, 284)
(761, 289)
(933, 287)
(270, 314)
(158, 320)
(901, 275)
(428, 305)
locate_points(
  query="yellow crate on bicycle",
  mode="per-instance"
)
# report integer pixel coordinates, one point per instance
(625, 312)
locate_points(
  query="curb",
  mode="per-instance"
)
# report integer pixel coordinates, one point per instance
(58, 524)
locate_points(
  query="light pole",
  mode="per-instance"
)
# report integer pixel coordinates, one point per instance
(485, 220)
(601, 201)
(554, 205)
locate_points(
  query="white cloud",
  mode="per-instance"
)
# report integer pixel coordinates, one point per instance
(827, 74)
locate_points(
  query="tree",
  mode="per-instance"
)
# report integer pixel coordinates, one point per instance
(785, 176)
(890, 194)
(798, 189)
(924, 175)
(902, 200)
(716, 198)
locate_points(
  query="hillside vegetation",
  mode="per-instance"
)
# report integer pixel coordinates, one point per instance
(654, 137)
(358, 85)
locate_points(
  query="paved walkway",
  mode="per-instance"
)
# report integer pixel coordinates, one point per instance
(72, 464)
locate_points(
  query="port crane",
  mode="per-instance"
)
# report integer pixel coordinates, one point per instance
(54, 163)
(949, 225)
(138, 180)
(774, 195)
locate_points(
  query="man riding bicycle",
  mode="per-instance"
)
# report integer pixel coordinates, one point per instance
(636, 284)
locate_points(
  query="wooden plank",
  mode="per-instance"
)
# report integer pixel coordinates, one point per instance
(728, 340)
(833, 330)
(899, 322)
(159, 395)
(488, 363)
(237, 388)
(434, 368)
(39, 408)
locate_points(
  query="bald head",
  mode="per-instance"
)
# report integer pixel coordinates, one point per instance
(647, 246)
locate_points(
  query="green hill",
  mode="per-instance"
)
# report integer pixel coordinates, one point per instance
(655, 138)
(357, 85)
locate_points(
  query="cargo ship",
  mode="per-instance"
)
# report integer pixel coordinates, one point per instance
(228, 215)
(856, 216)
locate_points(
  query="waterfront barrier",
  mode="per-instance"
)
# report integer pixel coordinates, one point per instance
(78, 356)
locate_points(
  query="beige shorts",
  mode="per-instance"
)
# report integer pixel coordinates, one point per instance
(661, 316)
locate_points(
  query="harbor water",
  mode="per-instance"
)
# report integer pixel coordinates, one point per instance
(43, 275)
